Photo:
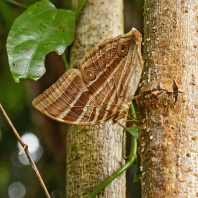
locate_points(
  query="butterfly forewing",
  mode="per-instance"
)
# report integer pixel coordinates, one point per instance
(109, 77)
(96, 62)
(104, 62)
(113, 61)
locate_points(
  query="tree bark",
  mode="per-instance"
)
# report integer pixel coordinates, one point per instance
(168, 100)
(94, 152)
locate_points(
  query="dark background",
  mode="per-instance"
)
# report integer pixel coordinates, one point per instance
(16, 100)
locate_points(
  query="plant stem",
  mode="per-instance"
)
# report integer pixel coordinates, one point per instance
(17, 4)
(132, 109)
(129, 163)
(79, 8)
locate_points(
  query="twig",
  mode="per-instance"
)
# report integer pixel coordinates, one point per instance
(25, 148)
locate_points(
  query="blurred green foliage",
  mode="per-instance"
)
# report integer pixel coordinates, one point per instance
(15, 101)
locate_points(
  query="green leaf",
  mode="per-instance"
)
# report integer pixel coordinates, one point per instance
(39, 30)
(133, 130)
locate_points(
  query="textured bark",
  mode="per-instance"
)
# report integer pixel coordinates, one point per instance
(169, 100)
(94, 153)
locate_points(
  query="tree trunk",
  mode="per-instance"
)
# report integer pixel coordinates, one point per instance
(168, 100)
(94, 152)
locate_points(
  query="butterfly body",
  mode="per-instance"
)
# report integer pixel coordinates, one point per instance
(104, 87)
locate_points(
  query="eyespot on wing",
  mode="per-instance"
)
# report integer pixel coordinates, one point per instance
(122, 49)
(90, 75)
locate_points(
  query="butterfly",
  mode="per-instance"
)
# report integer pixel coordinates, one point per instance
(103, 88)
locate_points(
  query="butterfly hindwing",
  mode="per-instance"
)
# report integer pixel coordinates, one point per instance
(68, 100)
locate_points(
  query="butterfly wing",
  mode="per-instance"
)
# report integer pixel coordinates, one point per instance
(68, 100)
(103, 89)
(95, 68)
(109, 70)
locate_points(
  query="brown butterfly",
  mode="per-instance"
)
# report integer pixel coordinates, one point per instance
(104, 87)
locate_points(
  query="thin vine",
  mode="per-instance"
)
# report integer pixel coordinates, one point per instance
(129, 163)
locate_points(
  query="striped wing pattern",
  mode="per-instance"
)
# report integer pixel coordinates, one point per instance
(69, 100)
(104, 87)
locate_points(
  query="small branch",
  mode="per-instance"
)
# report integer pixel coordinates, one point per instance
(25, 148)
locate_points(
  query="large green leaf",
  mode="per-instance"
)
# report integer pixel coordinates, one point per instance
(39, 30)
